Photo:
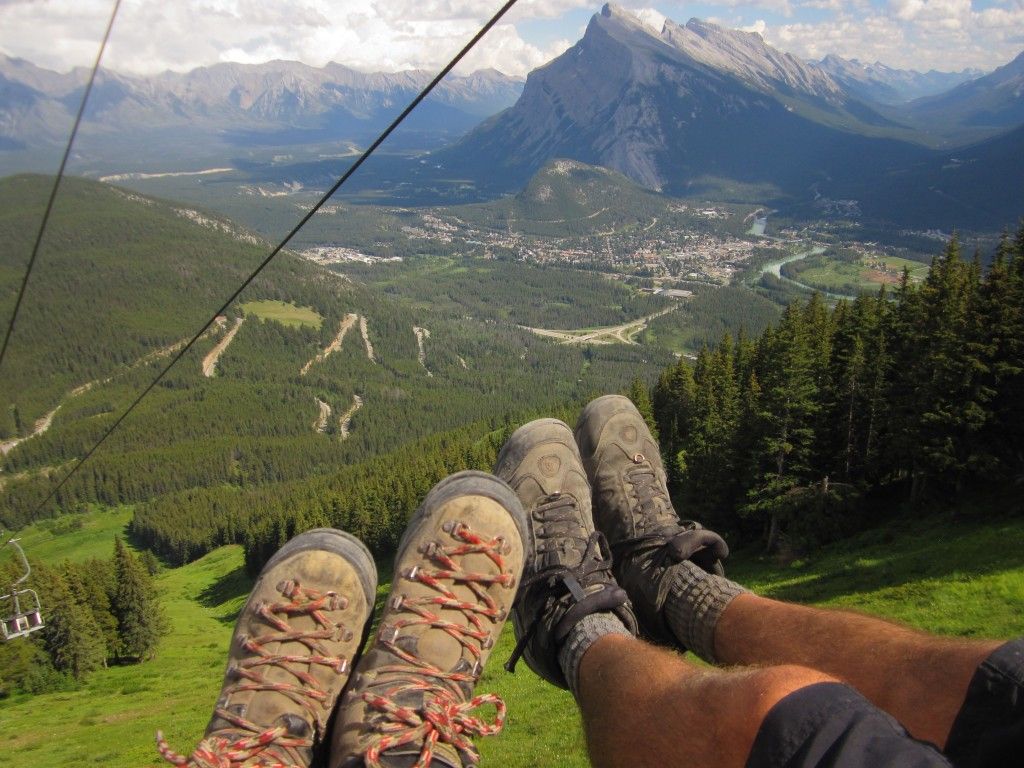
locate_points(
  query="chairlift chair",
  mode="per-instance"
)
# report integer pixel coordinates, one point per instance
(22, 620)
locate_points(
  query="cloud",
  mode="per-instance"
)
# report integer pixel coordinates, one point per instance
(912, 34)
(390, 35)
(384, 35)
(651, 17)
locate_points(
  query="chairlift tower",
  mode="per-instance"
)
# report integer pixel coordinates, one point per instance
(18, 619)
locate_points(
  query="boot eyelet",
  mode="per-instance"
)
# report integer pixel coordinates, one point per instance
(639, 458)
(395, 602)
(387, 633)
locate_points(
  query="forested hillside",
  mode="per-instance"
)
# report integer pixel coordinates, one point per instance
(274, 409)
(803, 433)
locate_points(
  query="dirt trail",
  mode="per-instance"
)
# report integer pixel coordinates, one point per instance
(46, 421)
(347, 322)
(622, 334)
(42, 424)
(421, 335)
(320, 425)
(210, 361)
(346, 418)
(366, 339)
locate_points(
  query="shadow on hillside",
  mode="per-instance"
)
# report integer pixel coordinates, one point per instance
(950, 551)
(229, 588)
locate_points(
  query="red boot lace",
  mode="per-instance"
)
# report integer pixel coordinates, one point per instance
(444, 716)
(263, 744)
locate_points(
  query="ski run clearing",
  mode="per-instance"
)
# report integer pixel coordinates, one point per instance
(346, 418)
(210, 361)
(320, 425)
(421, 335)
(347, 322)
(41, 425)
(46, 421)
(366, 339)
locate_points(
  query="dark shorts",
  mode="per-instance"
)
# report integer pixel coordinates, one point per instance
(830, 725)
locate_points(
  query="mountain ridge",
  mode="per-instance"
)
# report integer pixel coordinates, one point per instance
(242, 102)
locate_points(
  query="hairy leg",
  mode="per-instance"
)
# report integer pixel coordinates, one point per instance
(919, 679)
(647, 706)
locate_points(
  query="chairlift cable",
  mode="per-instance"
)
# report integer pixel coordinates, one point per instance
(280, 246)
(56, 183)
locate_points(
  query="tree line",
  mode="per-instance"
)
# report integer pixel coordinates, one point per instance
(796, 435)
(95, 612)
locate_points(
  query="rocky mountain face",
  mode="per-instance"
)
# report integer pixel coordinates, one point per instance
(245, 102)
(886, 85)
(677, 108)
(746, 56)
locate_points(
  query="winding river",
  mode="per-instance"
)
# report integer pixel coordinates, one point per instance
(775, 268)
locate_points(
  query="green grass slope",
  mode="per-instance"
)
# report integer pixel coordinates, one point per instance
(952, 577)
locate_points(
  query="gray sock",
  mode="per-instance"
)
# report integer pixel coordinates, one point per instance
(581, 637)
(695, 602)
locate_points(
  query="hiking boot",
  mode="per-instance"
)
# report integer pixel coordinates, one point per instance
(568, 573)
(291, 654)
(458, 566)
(633, 509)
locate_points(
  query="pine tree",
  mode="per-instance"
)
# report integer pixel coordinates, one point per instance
(134, 604)
(789, 408)
(641, 398)
(71, 636)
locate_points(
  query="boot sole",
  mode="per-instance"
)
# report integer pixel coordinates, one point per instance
(341, 543)
(466, 483)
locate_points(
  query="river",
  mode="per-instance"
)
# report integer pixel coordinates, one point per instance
(775, 268)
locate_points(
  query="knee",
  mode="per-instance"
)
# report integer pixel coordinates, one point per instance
(773, 684)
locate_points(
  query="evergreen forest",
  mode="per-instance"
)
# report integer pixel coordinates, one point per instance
(833, 418)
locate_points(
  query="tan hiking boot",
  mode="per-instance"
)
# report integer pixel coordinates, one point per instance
(291, 654)
(568, 573)
(458, 566)
(633, 509)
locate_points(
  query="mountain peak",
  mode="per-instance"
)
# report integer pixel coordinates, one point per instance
(747, 56)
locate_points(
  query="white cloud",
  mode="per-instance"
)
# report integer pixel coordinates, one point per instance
(153, 35)
(912, 34)
(390, 35)
(652, 17)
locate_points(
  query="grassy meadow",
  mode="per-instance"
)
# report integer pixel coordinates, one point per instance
(283, 312)
(953, 576)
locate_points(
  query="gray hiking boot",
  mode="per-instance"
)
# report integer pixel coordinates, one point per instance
(458, 566)
(291, 654)
(568, 573)
(632, 508)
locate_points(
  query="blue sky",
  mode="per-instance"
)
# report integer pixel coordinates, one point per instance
(389, 35)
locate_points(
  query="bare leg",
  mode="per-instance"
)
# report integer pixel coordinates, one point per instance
(919, 679)
(646, 706)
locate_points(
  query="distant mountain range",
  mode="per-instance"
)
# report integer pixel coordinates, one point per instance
(692, 109)
(699, 109)
(994, 101)
(278, 103)
(886, 85)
